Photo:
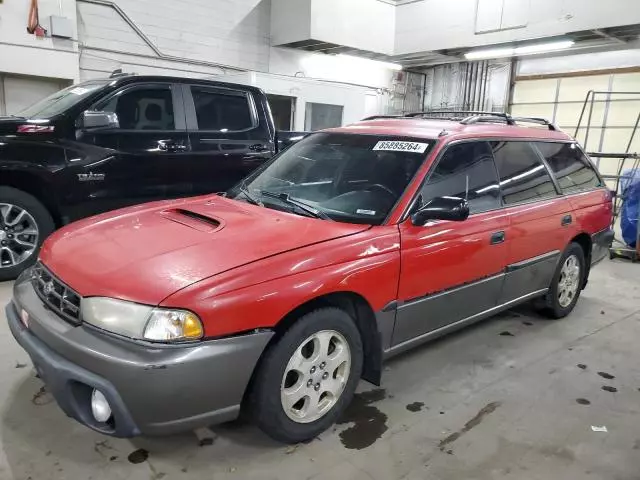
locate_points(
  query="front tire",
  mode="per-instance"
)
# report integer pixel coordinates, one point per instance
(566, 284)
(24, 224)
(308, 376)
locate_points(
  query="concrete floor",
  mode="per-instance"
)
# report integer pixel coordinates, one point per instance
(513, 397)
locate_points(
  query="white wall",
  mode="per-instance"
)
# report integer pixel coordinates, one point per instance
(444, 24)
(580, 63)
(363, 24)
(292, 62)
(234, 33)
(357, 102)
(24, 54)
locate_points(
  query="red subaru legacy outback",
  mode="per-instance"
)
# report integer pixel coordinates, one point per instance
(353, 245)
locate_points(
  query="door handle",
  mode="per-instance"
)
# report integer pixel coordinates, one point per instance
(566, 220)
(171, 146)
(258, 147)
(497, 237)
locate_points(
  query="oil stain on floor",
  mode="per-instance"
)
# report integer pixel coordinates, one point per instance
(415, 406)
(369, 423)
(474, 422)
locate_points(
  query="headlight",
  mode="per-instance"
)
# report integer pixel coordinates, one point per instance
(141, 321)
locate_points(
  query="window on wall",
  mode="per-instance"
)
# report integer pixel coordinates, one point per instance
(222, 111)
(523, 176)
(319, 116)
(570, 166)
(466, 170)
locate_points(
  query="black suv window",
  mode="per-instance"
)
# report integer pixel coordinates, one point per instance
(570, 166)
(222, 112)
(465, 170)
(144, 108)
(523, 176)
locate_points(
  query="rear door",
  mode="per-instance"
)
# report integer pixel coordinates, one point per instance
(589, 197)
(144, 159)
(541, 221)
(452, 271)
(229, 139)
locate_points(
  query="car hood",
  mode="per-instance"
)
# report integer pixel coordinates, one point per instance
(148, 252)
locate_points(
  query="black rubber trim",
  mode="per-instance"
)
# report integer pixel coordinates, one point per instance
(390, 307)
(532, 261)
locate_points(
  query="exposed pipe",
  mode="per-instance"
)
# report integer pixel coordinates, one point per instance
(150, 44)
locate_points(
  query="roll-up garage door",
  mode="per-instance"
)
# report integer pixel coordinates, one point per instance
(561, 98)
(19, 92)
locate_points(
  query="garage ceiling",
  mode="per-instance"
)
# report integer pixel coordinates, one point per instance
(592, 40)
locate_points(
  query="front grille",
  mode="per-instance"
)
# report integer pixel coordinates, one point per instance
(55, 294)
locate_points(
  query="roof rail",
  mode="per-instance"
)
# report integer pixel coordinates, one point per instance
(469, 117)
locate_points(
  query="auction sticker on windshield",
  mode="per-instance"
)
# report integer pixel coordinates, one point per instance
(414, 147)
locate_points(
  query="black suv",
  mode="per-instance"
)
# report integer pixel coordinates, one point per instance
(109, 143)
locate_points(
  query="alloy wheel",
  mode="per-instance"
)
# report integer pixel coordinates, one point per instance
(18, 235)
(569, 281)
(315, 376)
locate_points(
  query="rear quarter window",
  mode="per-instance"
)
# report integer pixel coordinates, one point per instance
(570, 166)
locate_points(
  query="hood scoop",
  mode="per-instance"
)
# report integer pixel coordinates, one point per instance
(197, 221)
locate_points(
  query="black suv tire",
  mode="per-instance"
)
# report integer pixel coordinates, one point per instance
(42, 219)
(265, 403)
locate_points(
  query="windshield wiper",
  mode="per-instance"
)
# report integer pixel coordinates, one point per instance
(284, 197)
(248, 196)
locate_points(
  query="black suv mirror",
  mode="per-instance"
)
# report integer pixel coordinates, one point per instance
(94, 119)
(442, 208)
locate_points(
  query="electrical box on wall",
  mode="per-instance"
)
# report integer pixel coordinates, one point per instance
(60, 27)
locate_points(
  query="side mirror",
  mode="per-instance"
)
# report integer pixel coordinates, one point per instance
(93, 119)
(442, 208)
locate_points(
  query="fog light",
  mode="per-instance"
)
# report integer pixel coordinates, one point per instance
(100, 407)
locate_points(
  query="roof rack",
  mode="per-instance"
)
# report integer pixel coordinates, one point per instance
(469, 117)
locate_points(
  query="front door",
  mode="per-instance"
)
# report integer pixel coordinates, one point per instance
(227, 137)
(143, 159)
(452, 271)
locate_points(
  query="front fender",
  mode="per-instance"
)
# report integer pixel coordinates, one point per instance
(261, 294)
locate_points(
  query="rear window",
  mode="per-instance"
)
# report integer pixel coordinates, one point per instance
(570, 166)
(219, 111)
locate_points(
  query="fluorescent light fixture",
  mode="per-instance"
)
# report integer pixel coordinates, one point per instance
(489, 53)
(518, 51)
(377, 63)
(544, 47)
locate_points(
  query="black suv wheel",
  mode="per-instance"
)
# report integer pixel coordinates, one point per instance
(24, 224)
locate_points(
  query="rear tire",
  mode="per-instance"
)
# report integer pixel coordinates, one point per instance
(19, 250)
(292, 399)
(566, 284)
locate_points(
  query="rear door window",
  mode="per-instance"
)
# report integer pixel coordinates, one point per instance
(523, 176)
(466, 170)
(222, 111)
(570, 166)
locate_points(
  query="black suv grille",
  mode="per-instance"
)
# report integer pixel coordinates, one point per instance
(55, 294)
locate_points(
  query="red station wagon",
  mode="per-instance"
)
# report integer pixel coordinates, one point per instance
(351, 246)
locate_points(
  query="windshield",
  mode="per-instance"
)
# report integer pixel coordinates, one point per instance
(343, 177)
(60, 101)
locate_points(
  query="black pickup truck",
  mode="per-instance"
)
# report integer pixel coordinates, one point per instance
(105, 144)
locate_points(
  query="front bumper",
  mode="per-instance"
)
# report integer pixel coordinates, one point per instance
(152, 389)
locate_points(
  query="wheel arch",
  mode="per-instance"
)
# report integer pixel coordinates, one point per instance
(584, 240)
(359, 309)
(35, 186)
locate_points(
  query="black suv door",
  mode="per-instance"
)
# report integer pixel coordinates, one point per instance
(145, 156)
(227, 137)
